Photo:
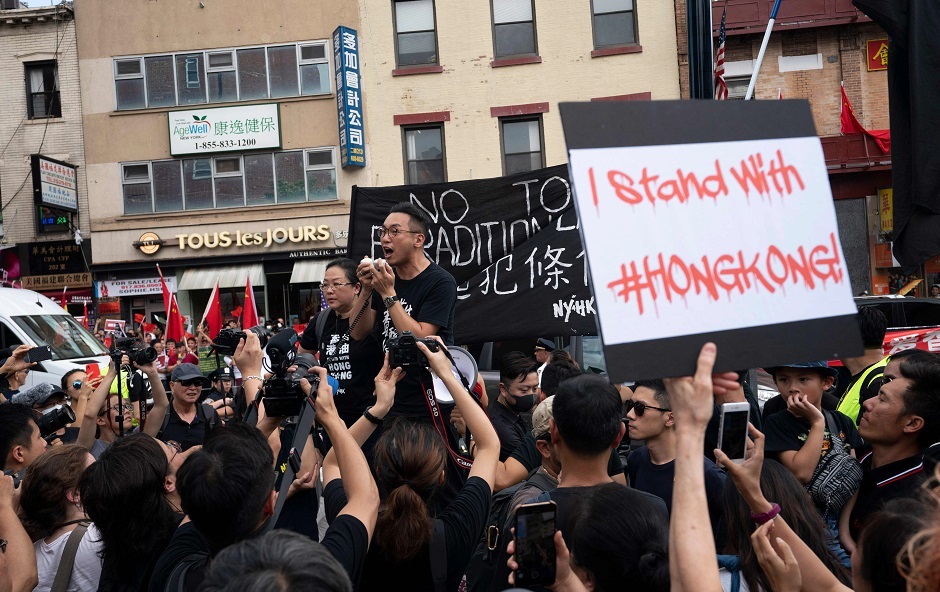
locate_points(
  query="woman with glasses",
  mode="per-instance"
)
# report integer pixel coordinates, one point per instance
(106, 418)
(651, 468)
(352, 363)
(76, 385)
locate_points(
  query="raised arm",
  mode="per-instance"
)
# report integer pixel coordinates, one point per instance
(692, 563)
(362, 495)
(363, 304)
(802, 463)
(486, 450)
(248, 358)
(160, 401)
(20, 556)
(86, 433)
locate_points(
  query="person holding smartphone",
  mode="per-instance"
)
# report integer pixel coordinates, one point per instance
(651, 468)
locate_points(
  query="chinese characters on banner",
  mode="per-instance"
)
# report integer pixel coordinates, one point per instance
(41, 283)
(55, 183)
(877, 54)
(668, 209)
(352, 146)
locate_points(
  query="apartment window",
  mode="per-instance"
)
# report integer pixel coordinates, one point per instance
(415, 37)
(737, 86)
(42, 90)
(513, 28)
(614, 23)
(229, 181)
(424, 155)
(522, 144)
(222, 75)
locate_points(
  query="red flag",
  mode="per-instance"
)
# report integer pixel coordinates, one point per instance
(850, 125)
(138, 318)
(64, 304)
(85, 313)
(213, 314)
(174, 322)
(250, 313)
(237, 311)
(721, 87)
(166, 292)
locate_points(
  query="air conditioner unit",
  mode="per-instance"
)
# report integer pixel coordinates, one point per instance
(10, 4)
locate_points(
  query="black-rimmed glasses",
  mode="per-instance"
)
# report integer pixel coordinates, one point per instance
(337, 285)
(392, 232)
(639, 407)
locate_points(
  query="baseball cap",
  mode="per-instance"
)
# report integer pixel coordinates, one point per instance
(820, 365)
(540, 417)
(186, 372)
(546, 344)
(222, 374)
(37, 395)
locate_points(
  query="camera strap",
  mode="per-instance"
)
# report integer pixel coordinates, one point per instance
(304, 425)
(437, 420)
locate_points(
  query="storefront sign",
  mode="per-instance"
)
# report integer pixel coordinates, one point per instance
(883, 258)
(280, 235)
(349, 104)
(149, 243)
(55, 183)
(318, 253)
(109, 306)
(655, 204)
(224, 129)
(877, 54)
(55, 257)
(886, 208)
(40, 283)
(135, 287)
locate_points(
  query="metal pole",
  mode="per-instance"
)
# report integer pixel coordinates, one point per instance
(701, 66)
(763, 48)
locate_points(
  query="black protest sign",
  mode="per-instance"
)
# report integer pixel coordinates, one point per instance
(709, 221)
(512, 244)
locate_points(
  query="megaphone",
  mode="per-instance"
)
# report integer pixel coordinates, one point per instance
(467, 366)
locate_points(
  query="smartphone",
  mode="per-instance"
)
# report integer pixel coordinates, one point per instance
(92, 371)
(732, 431)
(39, 354)
(535, 544)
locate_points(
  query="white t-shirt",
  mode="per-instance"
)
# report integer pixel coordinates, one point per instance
(87, 568)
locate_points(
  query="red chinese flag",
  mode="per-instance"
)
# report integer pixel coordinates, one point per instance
(250, 312)
(174, 322)
(138, 318)
(213, 315)
(85, 314)
(850, 125)
(64, 304)
(167, 296)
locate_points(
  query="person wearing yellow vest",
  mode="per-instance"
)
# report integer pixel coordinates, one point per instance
(868, 369)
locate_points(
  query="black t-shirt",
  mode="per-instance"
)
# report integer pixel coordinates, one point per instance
(510, 428)
(187, 542)
(354, 364)
(902, 478)
(784, 431)
(463, 519)
(568, 500)
(659, 479)
(140, 385)
(188, 434)
(529, 457)
(138, 573)
(429, 297)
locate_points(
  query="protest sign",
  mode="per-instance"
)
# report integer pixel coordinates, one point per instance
(709, 221)
(511, 243)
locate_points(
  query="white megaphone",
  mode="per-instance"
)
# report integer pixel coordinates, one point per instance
(463, 362)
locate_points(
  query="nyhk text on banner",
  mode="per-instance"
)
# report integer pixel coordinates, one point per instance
(708, 221)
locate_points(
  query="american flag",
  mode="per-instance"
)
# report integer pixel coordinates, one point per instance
(721, 88)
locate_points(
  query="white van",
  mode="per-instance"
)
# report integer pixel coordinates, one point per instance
(31, 318)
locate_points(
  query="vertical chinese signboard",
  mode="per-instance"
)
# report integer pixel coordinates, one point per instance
(877, 54)
(886, 209)
(352, 147)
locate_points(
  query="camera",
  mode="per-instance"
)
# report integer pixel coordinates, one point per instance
(283, 395)
(227, 339)
(134, 350)
(54, 419)
(17, 477)
(403, 351)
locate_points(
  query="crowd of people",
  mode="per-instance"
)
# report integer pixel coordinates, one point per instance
(186, 473)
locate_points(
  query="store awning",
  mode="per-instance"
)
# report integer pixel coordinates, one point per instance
(204, 278)
(307, 271)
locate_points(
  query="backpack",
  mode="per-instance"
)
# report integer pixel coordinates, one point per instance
(489, 557)
(202, 410)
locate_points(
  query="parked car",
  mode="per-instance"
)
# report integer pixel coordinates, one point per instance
(903, 312)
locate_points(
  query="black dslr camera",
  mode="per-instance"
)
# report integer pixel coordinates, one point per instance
(54, 419)
(403, 351)
(283, 395)
(227, 339)
(134, 350)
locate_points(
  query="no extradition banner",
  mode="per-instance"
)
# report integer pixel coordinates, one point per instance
(709, 220)
(511, 243)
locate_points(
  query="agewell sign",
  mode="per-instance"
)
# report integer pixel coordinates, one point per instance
(224, 129)
(709, 221)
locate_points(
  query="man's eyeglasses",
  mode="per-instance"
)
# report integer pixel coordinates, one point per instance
(176, 446)
(639, 407)
(393, 232)
(193, 382)
(337, 285)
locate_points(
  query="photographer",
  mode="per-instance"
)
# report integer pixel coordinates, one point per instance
(53, 410)
(13, 371)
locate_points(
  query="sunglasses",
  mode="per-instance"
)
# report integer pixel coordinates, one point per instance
(77, 384)
(193, 382)
(640, 407)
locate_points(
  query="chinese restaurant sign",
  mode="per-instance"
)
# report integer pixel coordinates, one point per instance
(666, 192)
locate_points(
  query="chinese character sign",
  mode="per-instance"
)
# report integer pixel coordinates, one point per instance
(55, 183)
(224, 129)
(349, 104)
(886, 209)
(877, 54)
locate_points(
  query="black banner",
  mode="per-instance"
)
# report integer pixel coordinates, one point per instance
(512, 243)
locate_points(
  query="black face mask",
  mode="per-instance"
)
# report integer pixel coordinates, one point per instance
(522, 404)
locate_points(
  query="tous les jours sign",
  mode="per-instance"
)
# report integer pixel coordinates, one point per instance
(225, 238)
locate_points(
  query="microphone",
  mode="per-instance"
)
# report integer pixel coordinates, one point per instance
(281, 348)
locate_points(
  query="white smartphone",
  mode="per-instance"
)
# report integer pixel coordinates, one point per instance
(732, 431)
